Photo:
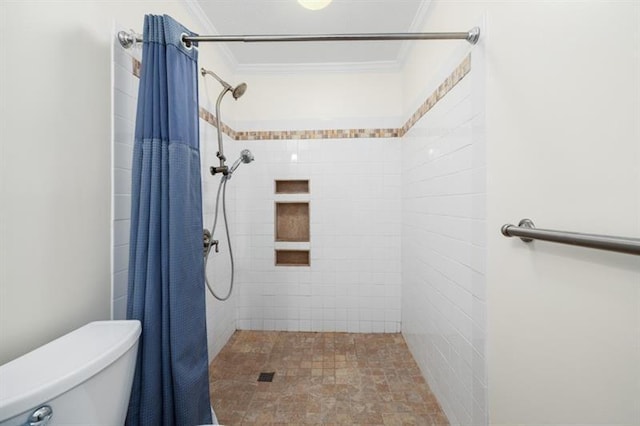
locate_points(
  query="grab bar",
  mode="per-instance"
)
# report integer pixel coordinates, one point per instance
(528, 232)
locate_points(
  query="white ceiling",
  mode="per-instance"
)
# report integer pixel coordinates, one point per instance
(250, 17)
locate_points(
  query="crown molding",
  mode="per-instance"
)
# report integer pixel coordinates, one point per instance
(419, 17)
(416, 26)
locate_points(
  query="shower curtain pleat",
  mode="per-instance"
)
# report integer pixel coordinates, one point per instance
(166, 271)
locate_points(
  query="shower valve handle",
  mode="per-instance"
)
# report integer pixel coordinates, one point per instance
(208, 242)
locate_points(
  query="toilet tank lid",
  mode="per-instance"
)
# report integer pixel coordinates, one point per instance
(62, 364)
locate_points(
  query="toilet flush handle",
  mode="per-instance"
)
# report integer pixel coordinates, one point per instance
(40, 417)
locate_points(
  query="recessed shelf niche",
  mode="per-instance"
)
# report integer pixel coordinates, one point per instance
(292, 221)
(292, 258)
(292, 186)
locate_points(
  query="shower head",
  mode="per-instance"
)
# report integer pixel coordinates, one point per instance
(239, 90)
(235, 91)
(245, 157)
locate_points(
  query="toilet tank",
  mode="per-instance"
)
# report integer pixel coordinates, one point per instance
(84, 376)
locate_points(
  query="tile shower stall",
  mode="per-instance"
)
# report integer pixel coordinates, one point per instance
(395, 229)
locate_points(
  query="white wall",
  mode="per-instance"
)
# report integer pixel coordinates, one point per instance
(315, 100)
(55, 172)
(353, 283)
(563, 108)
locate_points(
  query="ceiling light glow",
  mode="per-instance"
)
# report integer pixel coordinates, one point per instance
(314, 4)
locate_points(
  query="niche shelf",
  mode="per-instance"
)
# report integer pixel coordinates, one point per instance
(292, 221)
(292, 186)
(292, 258)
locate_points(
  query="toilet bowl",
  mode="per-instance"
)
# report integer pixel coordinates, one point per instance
(82, 378)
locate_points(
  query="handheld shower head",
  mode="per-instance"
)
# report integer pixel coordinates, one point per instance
(245, 157)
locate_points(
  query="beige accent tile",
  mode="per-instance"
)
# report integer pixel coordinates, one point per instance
(136, 67)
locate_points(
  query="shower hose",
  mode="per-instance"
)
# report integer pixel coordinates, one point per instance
(222, 187)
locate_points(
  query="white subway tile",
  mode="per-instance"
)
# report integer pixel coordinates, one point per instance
(123, 78)
(121, 181)
(122, 156)
(444, 250)
(124, 105)
(120, 284)
(120, 258)
(123, 131)
(122, 207)
(120, 308)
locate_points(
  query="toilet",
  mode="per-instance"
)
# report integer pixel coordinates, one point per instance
(81, 378)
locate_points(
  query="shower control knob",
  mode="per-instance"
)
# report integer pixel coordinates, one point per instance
(206, 237)
(208, 242)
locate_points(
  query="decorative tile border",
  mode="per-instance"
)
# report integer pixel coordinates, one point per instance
(449, 83)
(316, 134)
(211, 119)
(136, 67)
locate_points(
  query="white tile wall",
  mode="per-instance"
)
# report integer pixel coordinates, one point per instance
(125, 97)
(353, 283)
(444, 249)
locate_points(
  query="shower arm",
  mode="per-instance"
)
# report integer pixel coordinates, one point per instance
(222, 168)
(214, 75)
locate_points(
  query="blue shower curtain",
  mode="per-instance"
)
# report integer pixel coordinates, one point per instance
(166, 279)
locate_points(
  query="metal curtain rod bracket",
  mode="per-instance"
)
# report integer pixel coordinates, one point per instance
(128, 39)
(528, 232)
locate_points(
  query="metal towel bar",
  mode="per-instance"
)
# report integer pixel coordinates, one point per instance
(528, 232)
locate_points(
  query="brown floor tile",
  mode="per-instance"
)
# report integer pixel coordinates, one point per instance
(320, 378)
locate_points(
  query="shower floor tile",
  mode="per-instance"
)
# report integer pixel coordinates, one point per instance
(320, 378)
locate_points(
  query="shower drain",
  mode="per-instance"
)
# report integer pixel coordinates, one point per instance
(266, 377)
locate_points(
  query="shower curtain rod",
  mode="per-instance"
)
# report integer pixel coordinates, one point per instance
(128, 39)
